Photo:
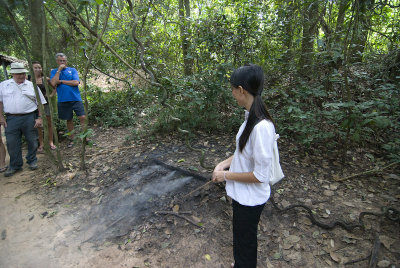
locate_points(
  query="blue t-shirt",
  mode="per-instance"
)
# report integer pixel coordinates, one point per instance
(66, 92)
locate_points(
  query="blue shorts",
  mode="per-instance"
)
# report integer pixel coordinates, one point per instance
(66, 109)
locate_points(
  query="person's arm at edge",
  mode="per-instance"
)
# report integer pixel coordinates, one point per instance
(220, 174)
(69, 82)
(55, 80)
(38, 120)
(224, 164)
(248, 177)
(74, 79)
(2, 119)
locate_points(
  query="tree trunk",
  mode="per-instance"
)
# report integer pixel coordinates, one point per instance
(310, 22)
(184, 16)
(35, 16)
(343, 6)
(288, 32)
(362, 21)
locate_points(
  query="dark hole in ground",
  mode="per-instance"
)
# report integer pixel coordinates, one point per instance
(131, 201)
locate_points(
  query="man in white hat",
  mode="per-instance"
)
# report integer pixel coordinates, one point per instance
(18, 102)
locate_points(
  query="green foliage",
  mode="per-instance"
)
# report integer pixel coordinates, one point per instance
(317, 116)
(115, 108)
(202, 102)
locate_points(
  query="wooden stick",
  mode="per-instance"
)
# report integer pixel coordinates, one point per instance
(171, 212)
(179, 216)
(198, 188)
(371, 171)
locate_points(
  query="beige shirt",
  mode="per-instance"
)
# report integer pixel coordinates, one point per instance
(19, 99)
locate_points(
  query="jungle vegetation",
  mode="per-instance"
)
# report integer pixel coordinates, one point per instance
(332, 67)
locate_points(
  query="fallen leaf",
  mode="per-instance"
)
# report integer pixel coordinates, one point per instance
(315, 234)
(285, 203)
(207, 257)
(269, 263)
(383, 264)
(349, 204)
(277, 255)
(328, 193)
(165, 244)
(175, 208)
(196, 219)
(294, 256)
(290, 241)
(333, 186)
(386, 241)
(349, 240)
(334, 256)
(181, 160)
(328, 211)
(305, 220)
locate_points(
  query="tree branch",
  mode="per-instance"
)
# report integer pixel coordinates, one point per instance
(141, 47)
(68, 7)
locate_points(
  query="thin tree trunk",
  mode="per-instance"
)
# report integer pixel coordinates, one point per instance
(289, 32)
(58, 159)
(88, 63)
(35, 16)
(310, 22)
(343, 6)
(184, 15)
(362, 21)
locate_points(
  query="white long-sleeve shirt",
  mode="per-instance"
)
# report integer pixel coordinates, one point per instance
(256, 157)
(19, 98)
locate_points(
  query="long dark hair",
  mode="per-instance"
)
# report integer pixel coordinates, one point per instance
(251, 78)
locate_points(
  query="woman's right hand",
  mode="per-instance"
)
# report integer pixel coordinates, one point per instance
(218, 176)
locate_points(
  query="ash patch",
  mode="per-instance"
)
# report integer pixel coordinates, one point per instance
(131, 201)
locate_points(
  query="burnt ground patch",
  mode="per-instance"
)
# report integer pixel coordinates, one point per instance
(123, 204)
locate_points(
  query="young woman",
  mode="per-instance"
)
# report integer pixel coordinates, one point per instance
(37, 70)
(247, 181)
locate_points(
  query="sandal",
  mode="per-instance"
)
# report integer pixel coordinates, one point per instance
(40, 149)
(53, 147)
(70, 144)
(3, 169)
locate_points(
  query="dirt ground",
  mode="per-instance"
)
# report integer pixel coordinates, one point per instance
(86, 219)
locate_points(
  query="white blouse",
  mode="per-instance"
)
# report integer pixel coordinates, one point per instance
(256, 157)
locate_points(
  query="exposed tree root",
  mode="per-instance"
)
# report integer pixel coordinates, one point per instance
(388, 212)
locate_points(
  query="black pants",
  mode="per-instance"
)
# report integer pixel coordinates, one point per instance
(245, 224)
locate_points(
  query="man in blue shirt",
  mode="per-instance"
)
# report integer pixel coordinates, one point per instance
(66, 80)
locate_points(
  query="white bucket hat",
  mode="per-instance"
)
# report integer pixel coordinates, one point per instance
(18, 68)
